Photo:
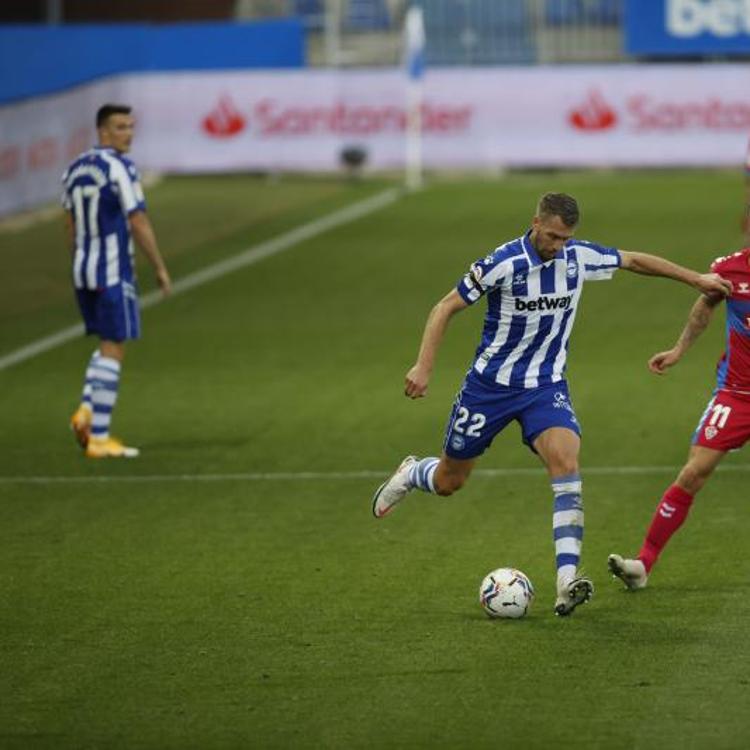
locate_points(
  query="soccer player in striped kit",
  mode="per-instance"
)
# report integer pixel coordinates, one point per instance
(533, 286)
(104, 211)
(724, 426)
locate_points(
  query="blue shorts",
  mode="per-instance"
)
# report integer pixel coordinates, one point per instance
(111, 313)
(482, 411)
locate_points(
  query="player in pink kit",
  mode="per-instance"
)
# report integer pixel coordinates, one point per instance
(724, 426)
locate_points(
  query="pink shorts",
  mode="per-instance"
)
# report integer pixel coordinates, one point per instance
(725, 425)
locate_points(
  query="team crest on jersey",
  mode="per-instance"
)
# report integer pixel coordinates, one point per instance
(711, 432)
(457, 442)
(572, 269)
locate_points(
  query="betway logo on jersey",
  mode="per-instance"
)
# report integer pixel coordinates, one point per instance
(541, 304)
(643, 113)
(723, 18)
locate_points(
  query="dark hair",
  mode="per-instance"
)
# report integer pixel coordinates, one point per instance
(559, 204)
(106, 111)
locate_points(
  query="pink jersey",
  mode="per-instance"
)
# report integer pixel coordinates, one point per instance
(733, 371)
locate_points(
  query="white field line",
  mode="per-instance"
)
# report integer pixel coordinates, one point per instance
(304, 476)
(222, 268)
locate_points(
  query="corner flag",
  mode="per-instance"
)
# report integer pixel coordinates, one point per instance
(415, 39)
(414, 44)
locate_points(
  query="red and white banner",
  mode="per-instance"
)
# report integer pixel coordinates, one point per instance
(578, 116)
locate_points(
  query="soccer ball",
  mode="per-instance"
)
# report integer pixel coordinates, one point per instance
(506, 592)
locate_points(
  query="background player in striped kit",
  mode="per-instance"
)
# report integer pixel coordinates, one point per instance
(533, 285)
(104, 210)
(724, 426)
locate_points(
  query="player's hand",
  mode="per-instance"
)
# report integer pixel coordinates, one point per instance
(712, 284)
(164, 281)
(416, 382)
(661, 362)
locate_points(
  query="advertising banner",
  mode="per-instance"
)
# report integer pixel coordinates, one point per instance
(38, 138)
(492, 118)
(687, 27)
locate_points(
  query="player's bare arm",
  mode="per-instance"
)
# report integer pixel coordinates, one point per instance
(652, 265)
(144, 235)
(697, 322)
(418, 377)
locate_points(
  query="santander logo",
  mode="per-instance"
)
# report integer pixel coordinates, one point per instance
(644, 112)
(593, 114)
(225, 120)
(273, 117)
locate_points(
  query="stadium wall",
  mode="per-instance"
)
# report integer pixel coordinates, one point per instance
(38, 60)
(576, 116)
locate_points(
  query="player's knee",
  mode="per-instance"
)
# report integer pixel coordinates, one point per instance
(562, 465)
(112, 349)
(692, 478)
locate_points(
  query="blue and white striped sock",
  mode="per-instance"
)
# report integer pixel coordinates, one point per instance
(567, 525)
(88, 378)
(104, 383)
(422, 474)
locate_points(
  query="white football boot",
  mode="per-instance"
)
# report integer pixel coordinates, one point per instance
(393, 491)
(631, 572)
(572, 593)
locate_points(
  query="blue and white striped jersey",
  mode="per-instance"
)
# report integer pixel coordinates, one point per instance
(531, 306)
(102, 188)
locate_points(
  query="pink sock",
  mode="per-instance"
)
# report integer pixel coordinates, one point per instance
(670, 514)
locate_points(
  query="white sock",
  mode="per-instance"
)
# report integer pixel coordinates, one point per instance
(104, 384)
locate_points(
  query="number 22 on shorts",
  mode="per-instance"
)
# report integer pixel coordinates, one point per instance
(475, 422)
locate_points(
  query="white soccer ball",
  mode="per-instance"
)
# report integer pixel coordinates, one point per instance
(506, 592)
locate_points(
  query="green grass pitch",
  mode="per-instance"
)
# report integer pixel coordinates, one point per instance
(182, 600)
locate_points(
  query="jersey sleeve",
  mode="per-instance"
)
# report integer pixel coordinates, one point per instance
(597, 262)
(137, 187)
(482, 276)
(125, 179)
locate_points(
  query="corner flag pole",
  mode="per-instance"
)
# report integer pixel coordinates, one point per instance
(414, 59)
